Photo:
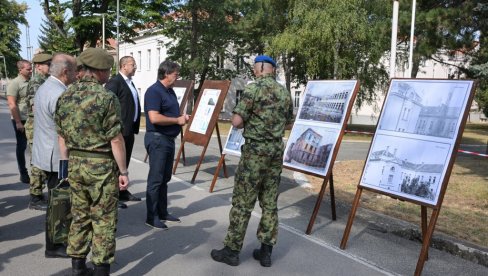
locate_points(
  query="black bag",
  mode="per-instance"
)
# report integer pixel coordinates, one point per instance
(59, 213)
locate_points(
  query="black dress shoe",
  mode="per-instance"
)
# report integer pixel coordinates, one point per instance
(58, 252)
(24, 178)
(170, 218)
(127, 196)
(122, 205)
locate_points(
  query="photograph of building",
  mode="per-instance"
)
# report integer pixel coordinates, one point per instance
(425, 107)
(326, 101)
(234, 141)
(407, 167)
(309, 148)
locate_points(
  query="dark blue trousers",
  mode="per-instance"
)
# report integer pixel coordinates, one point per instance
(161, 151)
(20, 149)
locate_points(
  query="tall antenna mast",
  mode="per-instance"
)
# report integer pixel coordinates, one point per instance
(29, 47)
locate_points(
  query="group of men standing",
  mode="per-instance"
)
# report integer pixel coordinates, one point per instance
(91, 128)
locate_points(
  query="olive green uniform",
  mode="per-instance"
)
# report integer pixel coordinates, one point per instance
(88, 118)
(266, 108)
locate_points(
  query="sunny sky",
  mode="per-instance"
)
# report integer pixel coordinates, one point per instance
(34, 16)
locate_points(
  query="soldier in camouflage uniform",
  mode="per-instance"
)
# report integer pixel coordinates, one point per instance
(89, 127)
(265, 108)
(37, 176)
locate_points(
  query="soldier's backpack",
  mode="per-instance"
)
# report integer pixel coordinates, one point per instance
(59, 213)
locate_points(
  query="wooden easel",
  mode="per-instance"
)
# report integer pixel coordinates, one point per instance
(236, 152)
(319, 201)
(203, 139)
(427, 226)
(328, 177)
(187, 98)
(217, 170)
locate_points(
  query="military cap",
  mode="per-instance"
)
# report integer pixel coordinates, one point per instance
(264, 58)
(97, 58)
(40, 58)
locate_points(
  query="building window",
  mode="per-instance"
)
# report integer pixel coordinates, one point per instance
(297, 99)
(148, 59)
(159, 55)
(238, 95)
(220, 62)
(239, 63)
(139, 59)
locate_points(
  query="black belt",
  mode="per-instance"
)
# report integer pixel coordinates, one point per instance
(91, 154)
(162, 135)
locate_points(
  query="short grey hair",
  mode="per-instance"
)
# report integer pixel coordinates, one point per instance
(60, 62)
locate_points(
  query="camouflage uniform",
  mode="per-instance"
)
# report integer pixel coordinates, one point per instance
(88, 117)
(34, 83)
(38, 177)
(266, 108)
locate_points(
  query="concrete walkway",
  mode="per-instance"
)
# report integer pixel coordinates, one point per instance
(185, 248)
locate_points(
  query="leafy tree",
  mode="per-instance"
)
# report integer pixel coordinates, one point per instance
(451, 27)
(11, 14)
(479, 64)
(337, 40)
(87, 27)
(261, 22)
(202, 33)
(52, 41)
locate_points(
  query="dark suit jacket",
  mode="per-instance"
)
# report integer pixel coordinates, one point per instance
(119, 86)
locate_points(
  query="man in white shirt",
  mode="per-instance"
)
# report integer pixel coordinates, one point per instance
(122, 85)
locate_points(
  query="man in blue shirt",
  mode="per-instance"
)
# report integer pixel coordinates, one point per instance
(163, 124)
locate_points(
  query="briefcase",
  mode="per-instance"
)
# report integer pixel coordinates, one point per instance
(58, 217)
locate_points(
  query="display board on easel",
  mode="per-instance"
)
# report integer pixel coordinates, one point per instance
(204, 119)
(233, 147)
(414, 147)
(183, 90)
(317, 133)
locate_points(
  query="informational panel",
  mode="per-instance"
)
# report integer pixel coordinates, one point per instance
(234, 141)
(206, 112)
(415, 138)
(319, 125)
(183, 89)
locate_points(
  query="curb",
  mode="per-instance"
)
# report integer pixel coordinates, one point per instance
(385, 224)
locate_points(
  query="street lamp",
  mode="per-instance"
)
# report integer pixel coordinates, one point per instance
(118, 23)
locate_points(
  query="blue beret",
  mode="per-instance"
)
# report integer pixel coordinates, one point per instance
(264, 58)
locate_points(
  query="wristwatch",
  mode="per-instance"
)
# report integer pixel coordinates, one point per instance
(124, 173)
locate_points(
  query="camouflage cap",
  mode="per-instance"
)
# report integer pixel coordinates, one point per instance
(97, 58)
(40, 58)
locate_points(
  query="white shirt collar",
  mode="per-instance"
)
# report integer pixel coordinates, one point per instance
(59, 81)
(124, 76)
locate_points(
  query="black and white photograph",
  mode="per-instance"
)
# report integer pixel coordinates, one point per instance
(425, 107)
(410, 168)
(326, 101)
(310, 147)
(234, 141)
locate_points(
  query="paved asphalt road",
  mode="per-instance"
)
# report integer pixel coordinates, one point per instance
(185, 248)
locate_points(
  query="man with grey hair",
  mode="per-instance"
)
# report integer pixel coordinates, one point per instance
(45, 148)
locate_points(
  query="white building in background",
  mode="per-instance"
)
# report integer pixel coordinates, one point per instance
(150, 50)
(430, 69)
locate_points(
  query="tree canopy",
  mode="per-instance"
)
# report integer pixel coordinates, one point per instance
(11, 14)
